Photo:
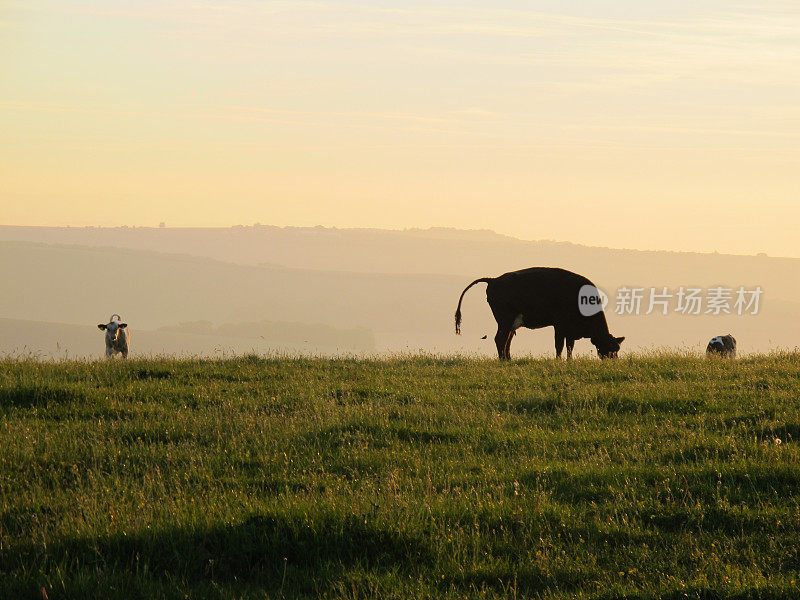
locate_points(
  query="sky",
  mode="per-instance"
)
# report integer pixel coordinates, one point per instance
(652, 125)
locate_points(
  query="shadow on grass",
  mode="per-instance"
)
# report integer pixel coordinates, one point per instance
(786, 432)
(524, 582)
(145, 374)
(726, 521)
(38, 396)
(345, 435)
(740, 484)
(613, 404)
(357, 395)
(751, 593)
(274, 553)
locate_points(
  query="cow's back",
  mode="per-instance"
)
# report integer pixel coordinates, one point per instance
(544, 295)
(539, 287)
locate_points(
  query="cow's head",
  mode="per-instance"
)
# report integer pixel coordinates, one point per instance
(608, 347)
(112, 327)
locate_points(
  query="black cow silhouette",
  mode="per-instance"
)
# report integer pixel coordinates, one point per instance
(541, 297)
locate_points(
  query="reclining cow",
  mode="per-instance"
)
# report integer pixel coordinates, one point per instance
(722, 345)
(540, 297)
(116, 336)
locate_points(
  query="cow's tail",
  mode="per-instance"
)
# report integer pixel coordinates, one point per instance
(458, 309)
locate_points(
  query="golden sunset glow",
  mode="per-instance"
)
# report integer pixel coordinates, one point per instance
(651, 125)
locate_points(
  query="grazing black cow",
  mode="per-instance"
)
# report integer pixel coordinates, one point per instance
(722, 345)
(540, 297)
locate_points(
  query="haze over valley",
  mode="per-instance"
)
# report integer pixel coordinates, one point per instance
(211, 291)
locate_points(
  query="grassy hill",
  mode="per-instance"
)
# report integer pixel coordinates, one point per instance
(663, 477)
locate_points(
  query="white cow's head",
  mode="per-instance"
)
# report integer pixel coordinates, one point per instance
(113, 326)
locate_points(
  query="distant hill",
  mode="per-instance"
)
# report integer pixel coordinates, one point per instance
(283, 335)
(83, 285)
(23, 338)
(407, 304)
(436, 251)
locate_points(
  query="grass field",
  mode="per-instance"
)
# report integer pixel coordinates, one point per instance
(662, 477)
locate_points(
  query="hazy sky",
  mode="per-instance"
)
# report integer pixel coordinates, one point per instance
(656, 124)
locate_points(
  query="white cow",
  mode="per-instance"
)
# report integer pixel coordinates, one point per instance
(116, 336)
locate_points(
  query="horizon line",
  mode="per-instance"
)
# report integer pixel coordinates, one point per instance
(434, 228)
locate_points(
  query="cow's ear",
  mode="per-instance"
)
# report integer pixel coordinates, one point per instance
(123, 325)
(101, 326)
(620, 339)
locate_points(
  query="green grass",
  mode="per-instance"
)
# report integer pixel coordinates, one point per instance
(421, 477)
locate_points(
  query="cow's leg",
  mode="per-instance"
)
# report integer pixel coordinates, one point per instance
(506, 324)
(508, 343)
(502, 340)
(559, 342)
(570, 346)
(124, 353)
(109, 352)
(516, 324)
